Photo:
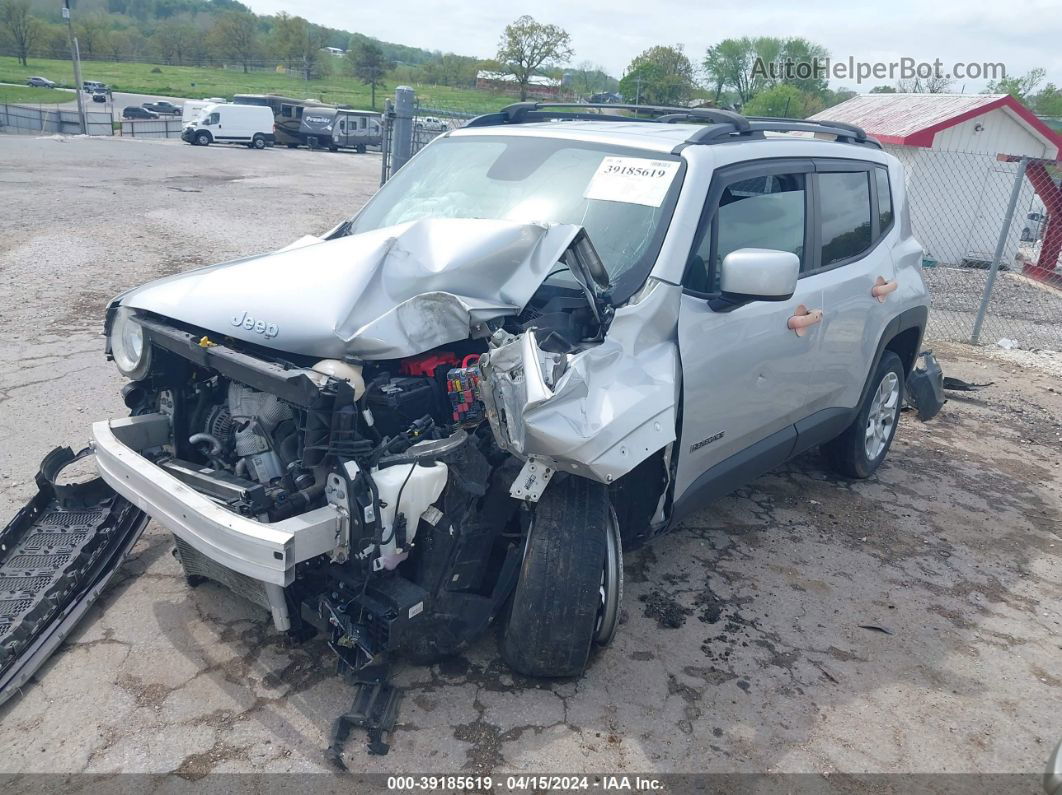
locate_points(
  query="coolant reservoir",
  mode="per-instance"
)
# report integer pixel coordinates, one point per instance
(424, 485)
(343, 371)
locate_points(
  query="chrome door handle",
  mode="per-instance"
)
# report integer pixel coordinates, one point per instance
(882, 288)
(803, 319)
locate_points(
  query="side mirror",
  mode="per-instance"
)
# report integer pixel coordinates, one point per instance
(759, 274)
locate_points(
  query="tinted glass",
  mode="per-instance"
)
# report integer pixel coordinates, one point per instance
(881, 180)
(845, 203)
(760, 212)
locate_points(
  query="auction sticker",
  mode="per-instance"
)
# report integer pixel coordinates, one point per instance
(635, 180)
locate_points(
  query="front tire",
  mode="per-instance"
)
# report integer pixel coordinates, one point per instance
(860, 449)
(567, 597)
(203, 139)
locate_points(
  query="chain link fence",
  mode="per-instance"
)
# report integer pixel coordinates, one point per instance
(409, 126)
(991, 228)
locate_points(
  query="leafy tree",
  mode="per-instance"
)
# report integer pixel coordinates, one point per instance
(1018, 87)
(660, 76)
(19, 27)
(590, 78)
(447, 69)
(1049, 101)
(298, 44)
(235, 35)
(367, 62)
(934, 84)
(528, 46)
(751, 65)
(883, 90)
(830, 97)
(174, 40)
(797, 51)
(784, 100)
(92, 33)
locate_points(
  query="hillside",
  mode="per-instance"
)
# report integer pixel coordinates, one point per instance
(198, 82)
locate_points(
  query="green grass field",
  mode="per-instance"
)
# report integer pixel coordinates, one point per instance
(33, 96)
(197, 83)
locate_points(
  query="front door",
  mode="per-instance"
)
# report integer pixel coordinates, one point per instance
(745, 372)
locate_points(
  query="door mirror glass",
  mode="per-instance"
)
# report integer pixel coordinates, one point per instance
(759, 274)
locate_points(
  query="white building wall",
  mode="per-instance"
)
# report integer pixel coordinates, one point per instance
(1001, 133)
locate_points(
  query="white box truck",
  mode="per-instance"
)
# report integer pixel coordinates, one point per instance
(223, 123)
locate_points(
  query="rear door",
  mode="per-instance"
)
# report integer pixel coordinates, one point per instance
(745, 373)
(855, 273)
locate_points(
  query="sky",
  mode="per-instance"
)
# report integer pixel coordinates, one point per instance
(1021, 34)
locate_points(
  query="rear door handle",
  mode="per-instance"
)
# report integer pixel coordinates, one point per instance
(882, 288)
(803, 319)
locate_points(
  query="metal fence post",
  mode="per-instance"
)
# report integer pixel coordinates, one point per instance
(1001, 244)
(386, 125)
(402, 128)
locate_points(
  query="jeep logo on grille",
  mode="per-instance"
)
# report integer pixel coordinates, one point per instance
(244, 319)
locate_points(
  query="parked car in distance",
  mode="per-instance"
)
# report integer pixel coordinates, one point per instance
(431, 124)
(163, 108)
(39, 82)
(92, 86)
(226, 123)
(99, 96)
(134, 112)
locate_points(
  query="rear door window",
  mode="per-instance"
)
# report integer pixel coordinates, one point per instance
(844, 213)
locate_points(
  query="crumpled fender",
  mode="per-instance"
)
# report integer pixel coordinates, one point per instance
(613, 404)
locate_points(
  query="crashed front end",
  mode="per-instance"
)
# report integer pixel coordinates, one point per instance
(354, 470)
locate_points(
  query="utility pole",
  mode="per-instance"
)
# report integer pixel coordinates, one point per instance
(75, 55)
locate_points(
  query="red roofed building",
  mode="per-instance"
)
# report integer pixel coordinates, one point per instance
(960, 152)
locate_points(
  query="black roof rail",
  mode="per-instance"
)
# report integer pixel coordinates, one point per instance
(722, 125)
(524, 112)
(851, 132)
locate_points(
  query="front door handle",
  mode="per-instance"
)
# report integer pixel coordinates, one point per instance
(882, 288)
(803, 319)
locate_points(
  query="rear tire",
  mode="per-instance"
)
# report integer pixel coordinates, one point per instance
(860, 449)
(258, 142)
(559, 605)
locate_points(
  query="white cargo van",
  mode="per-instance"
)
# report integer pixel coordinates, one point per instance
(192, 109)
(251, 125)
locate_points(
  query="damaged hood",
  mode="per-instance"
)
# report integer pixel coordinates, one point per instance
(383, 294)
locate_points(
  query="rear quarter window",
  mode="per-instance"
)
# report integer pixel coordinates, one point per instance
(881, 185)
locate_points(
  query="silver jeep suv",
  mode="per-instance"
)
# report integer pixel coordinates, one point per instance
(549, 337)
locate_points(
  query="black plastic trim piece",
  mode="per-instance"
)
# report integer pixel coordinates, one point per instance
(290, 384)
(56, 557)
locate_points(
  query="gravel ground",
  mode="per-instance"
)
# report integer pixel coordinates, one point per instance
(1020, 308)
(907, 623)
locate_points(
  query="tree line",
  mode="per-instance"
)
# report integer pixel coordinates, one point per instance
(731, 73)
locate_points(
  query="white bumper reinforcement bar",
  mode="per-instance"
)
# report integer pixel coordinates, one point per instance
(261, 550)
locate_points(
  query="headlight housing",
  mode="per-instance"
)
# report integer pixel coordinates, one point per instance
(131, 354)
